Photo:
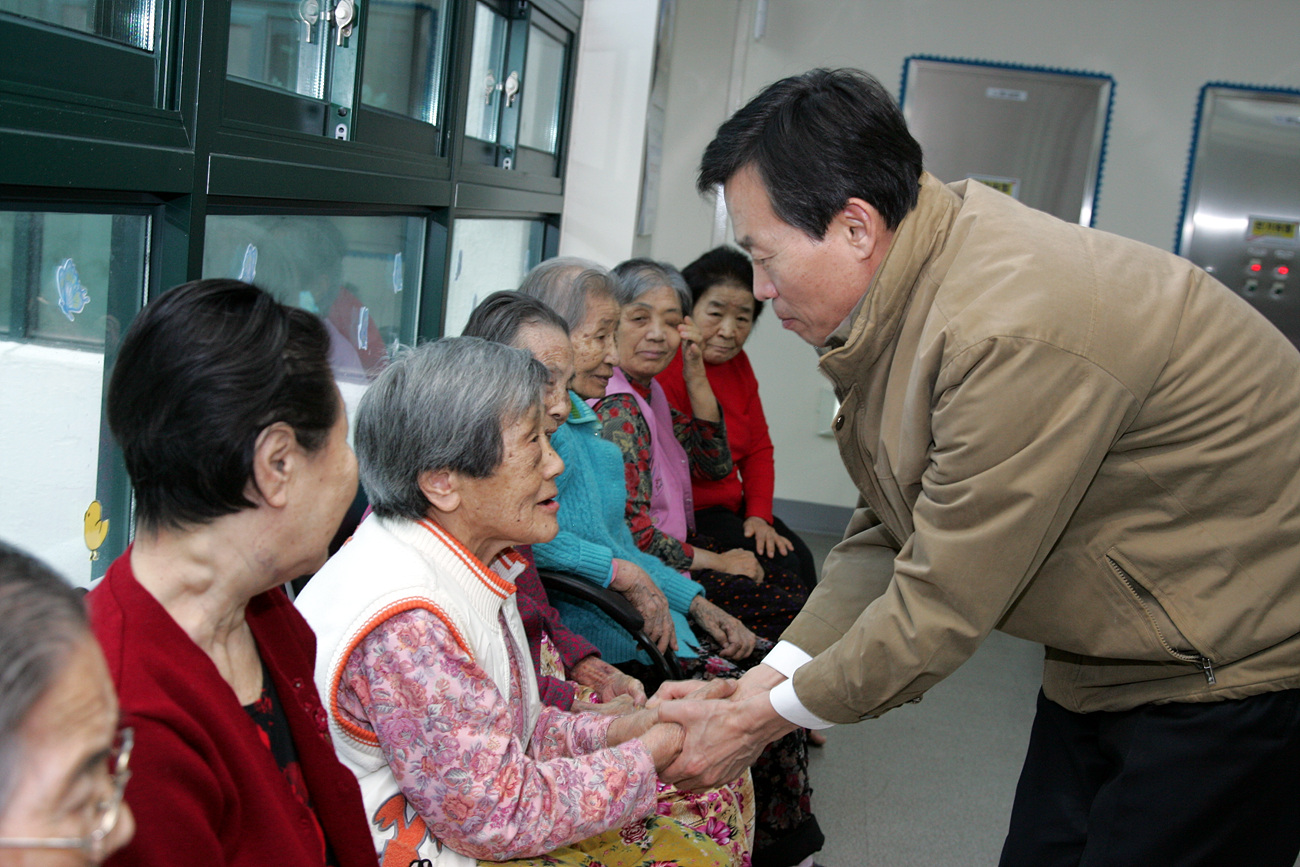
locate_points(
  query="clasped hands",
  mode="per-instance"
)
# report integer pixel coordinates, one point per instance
(720, 728)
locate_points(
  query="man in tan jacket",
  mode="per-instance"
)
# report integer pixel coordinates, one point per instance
(1063, 434)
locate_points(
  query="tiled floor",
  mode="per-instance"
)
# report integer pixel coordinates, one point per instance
(930, 784)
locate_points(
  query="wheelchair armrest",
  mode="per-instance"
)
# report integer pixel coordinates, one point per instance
(612, 603)
(624, 614)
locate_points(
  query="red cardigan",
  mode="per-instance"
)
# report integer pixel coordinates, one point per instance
(748, 489)
(204, 788)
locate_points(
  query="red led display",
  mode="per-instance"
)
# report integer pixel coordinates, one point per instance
(1255, 266)
(1283, 270)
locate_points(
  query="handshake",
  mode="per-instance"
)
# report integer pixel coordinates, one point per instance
(702, 734)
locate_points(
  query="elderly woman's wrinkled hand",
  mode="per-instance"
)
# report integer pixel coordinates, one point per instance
(646, 597)
(692, 348)
(617, 707)
(734, 639)
(608, 682)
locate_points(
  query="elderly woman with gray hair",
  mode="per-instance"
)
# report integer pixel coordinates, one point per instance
(63, 756)
(599, 487)
(432, 702)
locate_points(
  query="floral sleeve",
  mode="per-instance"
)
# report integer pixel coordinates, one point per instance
(455, 745)
(705, 443)
(622, 424)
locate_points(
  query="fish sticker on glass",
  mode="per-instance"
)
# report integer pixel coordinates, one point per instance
(363, 329)
(397, 273)
(248, 269)
(73, 296)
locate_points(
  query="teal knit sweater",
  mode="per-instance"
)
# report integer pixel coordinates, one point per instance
(593, 532)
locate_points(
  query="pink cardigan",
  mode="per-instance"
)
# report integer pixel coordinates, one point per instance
(204, 788)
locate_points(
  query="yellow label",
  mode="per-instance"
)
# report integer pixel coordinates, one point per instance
(1283, 229)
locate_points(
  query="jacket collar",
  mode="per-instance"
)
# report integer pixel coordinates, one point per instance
(874, 322)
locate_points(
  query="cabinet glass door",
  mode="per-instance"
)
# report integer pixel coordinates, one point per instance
(404, 58)
(279, 43)
(488, 256)
(361, 275)
(518, 74)
(487, 84)
(74, 281)
(130, 22)
(545, 74)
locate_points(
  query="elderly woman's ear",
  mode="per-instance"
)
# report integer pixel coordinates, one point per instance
(276, 455)
(441, 488)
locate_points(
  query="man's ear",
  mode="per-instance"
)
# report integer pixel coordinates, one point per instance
(863, 226)
(275, 459)
(441, 488)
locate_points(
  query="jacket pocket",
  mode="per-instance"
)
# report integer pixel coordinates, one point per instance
(1170, 636)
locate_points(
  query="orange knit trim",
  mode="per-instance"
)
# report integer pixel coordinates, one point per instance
(494, 582)
(393, 609)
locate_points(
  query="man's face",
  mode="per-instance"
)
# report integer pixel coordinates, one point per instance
(813, 285)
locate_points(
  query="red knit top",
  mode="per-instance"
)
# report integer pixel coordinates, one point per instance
(205, 788)
(747, 490)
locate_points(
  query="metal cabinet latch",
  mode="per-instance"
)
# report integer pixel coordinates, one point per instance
(345, 14)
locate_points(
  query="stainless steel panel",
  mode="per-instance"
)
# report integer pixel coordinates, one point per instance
(1035, 134)
(1241, 218)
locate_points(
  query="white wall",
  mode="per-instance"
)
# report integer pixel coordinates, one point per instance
(1160, 52)
(50, 429)
(607, 137)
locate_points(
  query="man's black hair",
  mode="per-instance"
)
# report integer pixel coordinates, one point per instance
(817, 140)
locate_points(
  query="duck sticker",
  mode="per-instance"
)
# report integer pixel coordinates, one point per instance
(96, 530)
(73, 297)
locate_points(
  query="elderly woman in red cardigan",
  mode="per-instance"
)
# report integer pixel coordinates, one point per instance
(735, 511)
(235, 438)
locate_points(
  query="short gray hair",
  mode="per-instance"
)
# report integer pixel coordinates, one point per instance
(42, 618)
(501, 316)
(441, 406)
(566, 283)
(639, 276)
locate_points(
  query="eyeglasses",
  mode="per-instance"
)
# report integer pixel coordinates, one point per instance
(107, 811)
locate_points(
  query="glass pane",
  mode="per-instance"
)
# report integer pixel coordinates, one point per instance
(280, 43)
(486, 74)
(539, 113)
(60, 269)
(487, 256)
(127, 21)
(405, 45)
(360, 274)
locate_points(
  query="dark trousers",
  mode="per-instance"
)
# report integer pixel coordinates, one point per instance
(727, 529)
(1172, 785)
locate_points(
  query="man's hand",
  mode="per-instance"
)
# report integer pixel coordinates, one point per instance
(646, 597)
(608, 682)
(734, 639)
(722, 738)
(767, 541)
(669, 690)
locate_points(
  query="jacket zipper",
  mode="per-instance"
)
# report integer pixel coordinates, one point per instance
(1149, 606)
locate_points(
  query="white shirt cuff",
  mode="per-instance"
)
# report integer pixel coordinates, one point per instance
(787, 704)
(786, 658)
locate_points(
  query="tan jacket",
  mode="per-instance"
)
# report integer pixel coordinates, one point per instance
(1069, 436)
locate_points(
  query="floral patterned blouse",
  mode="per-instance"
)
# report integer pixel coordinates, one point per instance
(458, 749)
(622, 423)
